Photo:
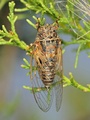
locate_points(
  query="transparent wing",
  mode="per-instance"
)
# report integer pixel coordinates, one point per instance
(43, 97)
(58, 80)
(58, 92)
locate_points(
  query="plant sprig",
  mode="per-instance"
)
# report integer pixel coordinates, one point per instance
(10, 37)
(74, 83)
(66, 81)
(40, 6)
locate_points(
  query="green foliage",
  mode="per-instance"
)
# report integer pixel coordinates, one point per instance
(40, 6)
(72, 81)
(11, 37)
(70, 23)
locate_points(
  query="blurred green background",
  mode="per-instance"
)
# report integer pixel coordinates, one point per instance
(17, 103)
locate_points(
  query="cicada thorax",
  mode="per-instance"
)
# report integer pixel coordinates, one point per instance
(46, 53)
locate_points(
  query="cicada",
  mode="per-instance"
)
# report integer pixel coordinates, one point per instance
(47, 59)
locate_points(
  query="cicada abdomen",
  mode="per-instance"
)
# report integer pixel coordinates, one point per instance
(48, 57)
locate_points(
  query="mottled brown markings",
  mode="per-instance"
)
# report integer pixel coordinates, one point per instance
(48, 57)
